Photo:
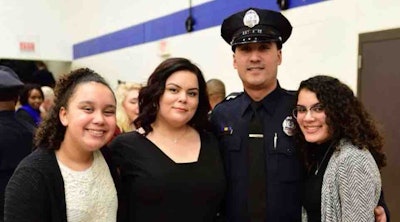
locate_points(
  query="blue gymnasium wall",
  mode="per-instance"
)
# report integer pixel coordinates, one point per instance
(206, 15)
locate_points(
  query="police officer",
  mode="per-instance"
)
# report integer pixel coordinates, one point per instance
(15, 136)
(256, 37)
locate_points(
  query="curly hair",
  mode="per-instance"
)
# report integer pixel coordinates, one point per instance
(149, 96)
(26, 91)
(346, 117)
(121, 92)
(51, 131)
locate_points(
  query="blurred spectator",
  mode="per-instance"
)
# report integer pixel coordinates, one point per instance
(30, 99)
(15, 136)
(42, 75)
(48, 100)
(127, 105)
(216, 91)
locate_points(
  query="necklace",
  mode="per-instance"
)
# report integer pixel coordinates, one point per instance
(323, 159)
(176, 139)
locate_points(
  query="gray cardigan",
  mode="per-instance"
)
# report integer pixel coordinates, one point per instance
(351, 185)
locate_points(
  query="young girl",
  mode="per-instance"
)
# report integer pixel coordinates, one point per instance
(67, 177)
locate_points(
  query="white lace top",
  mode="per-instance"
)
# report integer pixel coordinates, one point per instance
(90, 195)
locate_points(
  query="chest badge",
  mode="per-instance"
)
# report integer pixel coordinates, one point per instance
(288, 126)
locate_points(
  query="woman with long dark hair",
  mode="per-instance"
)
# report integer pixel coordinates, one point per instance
(170, 166)
(341, 149)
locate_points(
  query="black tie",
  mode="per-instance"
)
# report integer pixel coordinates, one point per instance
(257, 184)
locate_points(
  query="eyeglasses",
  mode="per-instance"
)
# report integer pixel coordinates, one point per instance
(301, 111)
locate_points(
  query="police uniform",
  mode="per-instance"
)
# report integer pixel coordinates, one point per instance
(15, 136)
(230, 120)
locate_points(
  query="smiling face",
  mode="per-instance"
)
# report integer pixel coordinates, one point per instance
(35, 99)
(257, 64)
(312, 120)
(131, 104)
(180, 100)
(89, 118)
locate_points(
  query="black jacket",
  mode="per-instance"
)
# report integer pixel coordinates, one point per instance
(16, 139)
(36, 192)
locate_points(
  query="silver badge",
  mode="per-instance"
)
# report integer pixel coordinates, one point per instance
(288, 126)
(251, 18)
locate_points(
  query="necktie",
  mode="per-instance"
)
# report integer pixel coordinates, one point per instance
(257, 184)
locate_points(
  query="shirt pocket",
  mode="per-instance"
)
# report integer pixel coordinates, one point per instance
(233, 156)
(286, 160)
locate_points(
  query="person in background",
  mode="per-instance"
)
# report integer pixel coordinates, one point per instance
(341, 150)
(42, 76)
(67, 177)
(16, 137)
(127, 105)
(48, 101)
(216, 92)
(255, 129)
(170, 167)
(30, 99)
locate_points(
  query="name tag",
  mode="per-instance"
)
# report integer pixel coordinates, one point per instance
(253, 135)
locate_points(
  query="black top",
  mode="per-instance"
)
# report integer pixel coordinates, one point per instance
(313, 181)
(156, 188)
(43, 77)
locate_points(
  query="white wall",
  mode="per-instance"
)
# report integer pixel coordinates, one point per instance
(324, 39)
(38, 21)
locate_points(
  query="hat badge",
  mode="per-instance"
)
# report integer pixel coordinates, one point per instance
(251, 18)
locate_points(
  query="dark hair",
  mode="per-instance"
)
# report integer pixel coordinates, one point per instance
(26, 91)
(149, 96)
(51, 131)
(346, 117)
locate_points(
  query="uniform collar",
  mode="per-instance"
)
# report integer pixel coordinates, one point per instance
(269, 102)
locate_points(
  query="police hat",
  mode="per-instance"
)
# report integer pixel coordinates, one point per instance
(9, 79)
(255, 25)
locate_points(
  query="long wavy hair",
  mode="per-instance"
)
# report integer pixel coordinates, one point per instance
(149, 96)
(51, 131)
(346, 117)
(123, 122)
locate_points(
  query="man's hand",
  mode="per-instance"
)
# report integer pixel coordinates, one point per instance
(380, 215)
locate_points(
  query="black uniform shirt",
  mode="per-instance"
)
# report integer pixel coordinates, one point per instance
(230, 120)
